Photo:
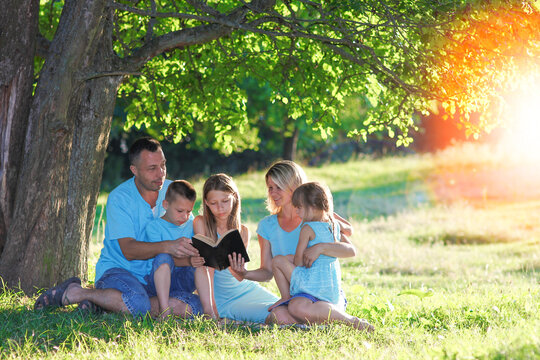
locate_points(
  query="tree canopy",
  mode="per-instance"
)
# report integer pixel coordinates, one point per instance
(400, 55)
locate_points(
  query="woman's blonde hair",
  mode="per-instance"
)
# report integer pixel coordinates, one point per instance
(287, 175)
(220, 182)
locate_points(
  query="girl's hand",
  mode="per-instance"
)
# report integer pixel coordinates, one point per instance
(237, 264)
(196, 261)
(311, 254)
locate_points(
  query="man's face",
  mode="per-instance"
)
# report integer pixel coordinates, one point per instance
(150, 170)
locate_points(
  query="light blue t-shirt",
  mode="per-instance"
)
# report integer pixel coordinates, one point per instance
(281, 241)
(162, 230)
(127, 216)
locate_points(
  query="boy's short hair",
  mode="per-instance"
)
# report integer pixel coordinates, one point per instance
(145, 143)
(180, 188)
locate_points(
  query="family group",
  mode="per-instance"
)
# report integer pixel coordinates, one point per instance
(148, 264)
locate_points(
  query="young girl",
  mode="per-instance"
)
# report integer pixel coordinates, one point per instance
(321, 281)
(235, 299)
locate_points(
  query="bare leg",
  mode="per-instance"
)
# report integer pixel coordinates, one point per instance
(282, 269)
(178, 308)
(322, 312)
(162, 279)
(281, 316)
(204, 288)
(109, 299)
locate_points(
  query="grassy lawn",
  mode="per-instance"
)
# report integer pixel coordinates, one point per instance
(448, 266)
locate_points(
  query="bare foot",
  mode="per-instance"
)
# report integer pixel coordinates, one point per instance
(278, 303)
(210, 315)
(164, 315)
(362, 325)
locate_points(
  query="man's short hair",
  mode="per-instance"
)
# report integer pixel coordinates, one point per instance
(181, 188)
(145, 143)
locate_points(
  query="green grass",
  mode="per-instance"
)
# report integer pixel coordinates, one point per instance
(478, 259)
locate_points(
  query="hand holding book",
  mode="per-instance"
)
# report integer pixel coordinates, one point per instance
(216, 253)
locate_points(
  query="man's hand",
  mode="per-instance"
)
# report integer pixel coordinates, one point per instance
(182, 248)
(196, 261)
(311, 254)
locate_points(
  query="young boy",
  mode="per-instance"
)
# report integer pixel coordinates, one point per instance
(177, 222)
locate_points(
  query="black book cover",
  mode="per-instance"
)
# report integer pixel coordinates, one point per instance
(216, 254)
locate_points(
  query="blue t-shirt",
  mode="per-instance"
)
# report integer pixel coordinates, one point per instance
(162, 230)
(127, 216)
(281, 241)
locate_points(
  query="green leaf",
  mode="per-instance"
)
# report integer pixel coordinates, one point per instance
(417, 292)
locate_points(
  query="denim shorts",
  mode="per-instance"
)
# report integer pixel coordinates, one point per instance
(341, 304)
(136, 295)
(133, 292)
(182, 282)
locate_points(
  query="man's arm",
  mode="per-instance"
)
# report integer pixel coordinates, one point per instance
(141, 250)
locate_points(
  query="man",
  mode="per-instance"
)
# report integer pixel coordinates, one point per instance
(120, 270)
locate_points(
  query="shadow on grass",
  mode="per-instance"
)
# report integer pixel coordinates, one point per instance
(460, 238)
(45, 330)
(532, 272)
(383, 200)
(69, 329)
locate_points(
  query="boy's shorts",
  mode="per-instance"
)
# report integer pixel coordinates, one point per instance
(182, 282)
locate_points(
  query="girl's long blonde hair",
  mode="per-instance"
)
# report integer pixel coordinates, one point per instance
(288, 175)
(220, 182)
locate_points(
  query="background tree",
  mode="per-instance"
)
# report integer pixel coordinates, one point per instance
(180, 63)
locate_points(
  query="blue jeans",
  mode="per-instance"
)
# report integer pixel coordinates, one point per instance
(136, 295)
(182, 282)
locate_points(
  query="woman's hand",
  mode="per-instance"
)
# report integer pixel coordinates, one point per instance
(311, 254)
(237, 264)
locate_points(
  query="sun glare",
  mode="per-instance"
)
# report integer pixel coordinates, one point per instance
(522, 135)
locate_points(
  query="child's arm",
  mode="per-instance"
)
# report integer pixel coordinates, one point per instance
(244, 232)
(306, 235)
(194, 261)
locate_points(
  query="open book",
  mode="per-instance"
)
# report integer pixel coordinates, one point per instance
(215, 253)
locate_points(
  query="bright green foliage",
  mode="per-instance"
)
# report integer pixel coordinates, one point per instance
(399, 55)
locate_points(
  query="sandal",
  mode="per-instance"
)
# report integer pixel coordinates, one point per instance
(53, 297)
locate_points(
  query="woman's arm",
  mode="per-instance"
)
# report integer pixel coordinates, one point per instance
(342, 249)
(345, 227)
(264, 272)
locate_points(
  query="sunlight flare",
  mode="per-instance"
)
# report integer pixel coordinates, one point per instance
(522, 135)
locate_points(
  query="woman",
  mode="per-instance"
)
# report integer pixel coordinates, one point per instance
(278, 234)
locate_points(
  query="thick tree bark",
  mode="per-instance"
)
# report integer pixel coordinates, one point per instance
(65, 144)
(17, 44)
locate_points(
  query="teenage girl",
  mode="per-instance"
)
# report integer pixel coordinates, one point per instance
(235, 299)
(321, 281)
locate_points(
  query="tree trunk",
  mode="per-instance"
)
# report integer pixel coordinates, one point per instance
(290, 139)
(17, 47)
(68, 127)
